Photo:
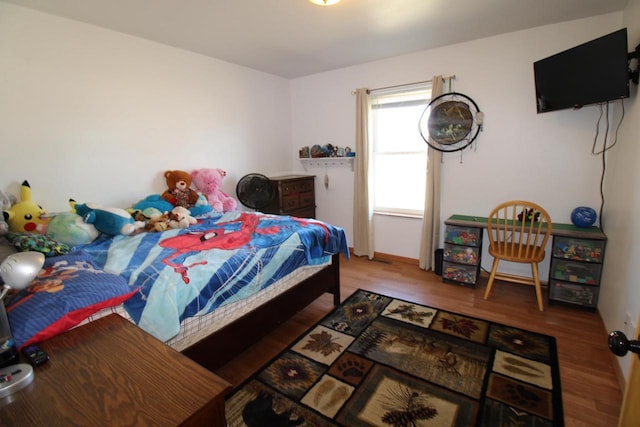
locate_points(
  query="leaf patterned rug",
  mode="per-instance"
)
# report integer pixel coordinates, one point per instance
(381, 361)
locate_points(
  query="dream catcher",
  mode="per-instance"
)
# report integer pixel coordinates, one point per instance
(451, 122)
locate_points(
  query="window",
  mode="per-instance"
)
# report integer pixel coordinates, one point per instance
(399, 154)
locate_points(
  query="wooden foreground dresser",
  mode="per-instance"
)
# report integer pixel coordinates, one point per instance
(112, 373)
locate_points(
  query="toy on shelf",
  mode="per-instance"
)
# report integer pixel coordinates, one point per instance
(583, 216)
(529, 215)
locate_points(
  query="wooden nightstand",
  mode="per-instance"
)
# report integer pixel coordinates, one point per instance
(294, 195)
(110, 373)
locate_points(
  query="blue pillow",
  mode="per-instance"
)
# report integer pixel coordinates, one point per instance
(68, 289)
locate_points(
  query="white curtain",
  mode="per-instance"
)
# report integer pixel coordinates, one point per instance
(362, 205)
(431, 218)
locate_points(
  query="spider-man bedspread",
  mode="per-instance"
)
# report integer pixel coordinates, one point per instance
(189, 272)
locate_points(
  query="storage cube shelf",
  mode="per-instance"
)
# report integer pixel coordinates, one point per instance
(576, 268)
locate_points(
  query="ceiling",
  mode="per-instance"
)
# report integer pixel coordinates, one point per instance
(294, 38)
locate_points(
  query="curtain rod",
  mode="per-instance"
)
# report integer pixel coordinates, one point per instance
(451, 77)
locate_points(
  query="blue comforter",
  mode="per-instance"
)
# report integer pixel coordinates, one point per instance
(190, 272)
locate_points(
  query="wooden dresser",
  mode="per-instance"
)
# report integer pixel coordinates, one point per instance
(294, 195)
(110, 372)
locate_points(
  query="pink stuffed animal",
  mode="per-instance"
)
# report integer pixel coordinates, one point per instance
(209, 183)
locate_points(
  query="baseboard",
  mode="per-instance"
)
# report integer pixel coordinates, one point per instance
(486, 274)
(381, 256)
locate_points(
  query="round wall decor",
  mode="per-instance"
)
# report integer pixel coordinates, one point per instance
(451, 122)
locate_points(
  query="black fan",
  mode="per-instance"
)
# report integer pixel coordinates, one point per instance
(255, 191)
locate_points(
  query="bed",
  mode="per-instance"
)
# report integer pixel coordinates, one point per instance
(209, 291)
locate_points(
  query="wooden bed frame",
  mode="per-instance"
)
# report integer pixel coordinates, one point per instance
(223, 345)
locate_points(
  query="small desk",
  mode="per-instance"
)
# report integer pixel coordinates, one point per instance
(110, 372)
(559, 229)
(574, 278)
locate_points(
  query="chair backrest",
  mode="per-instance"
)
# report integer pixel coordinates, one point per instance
(519, 230)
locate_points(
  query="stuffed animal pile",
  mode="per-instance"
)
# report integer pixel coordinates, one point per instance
(179, 217)
(176, 207)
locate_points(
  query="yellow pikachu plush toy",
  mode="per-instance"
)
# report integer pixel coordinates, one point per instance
(26, 215)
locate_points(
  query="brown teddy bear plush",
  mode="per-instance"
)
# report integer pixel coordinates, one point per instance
(179, 192)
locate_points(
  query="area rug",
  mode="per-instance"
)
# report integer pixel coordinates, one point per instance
(381, 361)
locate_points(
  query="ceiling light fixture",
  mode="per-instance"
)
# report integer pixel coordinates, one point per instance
(324, 2)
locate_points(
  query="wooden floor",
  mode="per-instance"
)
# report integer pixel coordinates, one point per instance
(590, 390)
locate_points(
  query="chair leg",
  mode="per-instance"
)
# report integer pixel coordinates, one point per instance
(494, 270)
(536, 282)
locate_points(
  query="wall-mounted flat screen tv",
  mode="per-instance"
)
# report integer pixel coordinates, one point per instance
(591, 73)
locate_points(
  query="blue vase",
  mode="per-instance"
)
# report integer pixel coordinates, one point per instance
(583, 216)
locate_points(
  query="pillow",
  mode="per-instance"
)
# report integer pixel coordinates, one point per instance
(68, 290)
(37, 242)
(70, 229)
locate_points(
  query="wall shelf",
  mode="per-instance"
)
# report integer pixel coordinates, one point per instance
(323, 162)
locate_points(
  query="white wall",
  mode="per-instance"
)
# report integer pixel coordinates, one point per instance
(520, 154)
(98, 116)
(620, 297)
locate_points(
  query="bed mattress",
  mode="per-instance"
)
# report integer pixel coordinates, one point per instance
(194, 329)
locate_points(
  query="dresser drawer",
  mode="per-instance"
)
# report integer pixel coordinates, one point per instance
(583, 295)
(461, 254)
(465, 274)
(307, 185)
(288, 188)
(578, 249)
(296, 186)
(307, 199)
(467, 236)
(290, 202)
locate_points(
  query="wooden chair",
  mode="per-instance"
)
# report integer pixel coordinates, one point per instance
(518, 231)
